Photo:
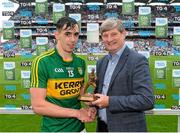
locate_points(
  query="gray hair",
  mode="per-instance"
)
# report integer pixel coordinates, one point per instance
(110, 24)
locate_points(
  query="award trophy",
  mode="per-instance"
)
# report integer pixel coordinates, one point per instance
(89, 97)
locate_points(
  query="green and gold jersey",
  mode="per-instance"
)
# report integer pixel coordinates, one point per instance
(63, 81)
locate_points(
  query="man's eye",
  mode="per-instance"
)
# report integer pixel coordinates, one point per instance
(67, 34)
(104, 36)
(76, 34)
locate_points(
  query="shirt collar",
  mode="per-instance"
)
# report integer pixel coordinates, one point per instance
(118, 53)
(57, 53)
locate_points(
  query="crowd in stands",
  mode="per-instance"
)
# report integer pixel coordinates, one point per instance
(94, 13)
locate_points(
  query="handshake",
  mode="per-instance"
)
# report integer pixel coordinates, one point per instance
(87, 114)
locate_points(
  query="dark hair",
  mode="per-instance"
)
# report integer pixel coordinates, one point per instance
(69, 22)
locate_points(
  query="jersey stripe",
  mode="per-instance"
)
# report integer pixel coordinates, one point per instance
(32, 72)
(35, 80)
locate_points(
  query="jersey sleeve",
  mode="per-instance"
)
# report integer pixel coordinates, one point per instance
(38, 74)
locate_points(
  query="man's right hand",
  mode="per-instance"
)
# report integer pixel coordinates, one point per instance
(84, 115)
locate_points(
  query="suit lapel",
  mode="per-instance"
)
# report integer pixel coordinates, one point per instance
(119, 65)
(102, 72)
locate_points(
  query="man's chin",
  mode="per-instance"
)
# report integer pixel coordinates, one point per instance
(69, 51)
(112, 51)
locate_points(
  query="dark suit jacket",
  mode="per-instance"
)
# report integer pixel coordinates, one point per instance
(130, 92)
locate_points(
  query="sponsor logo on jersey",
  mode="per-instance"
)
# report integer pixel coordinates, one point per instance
(58, 70)
(64, 88)
(80, 70)
(69, 68)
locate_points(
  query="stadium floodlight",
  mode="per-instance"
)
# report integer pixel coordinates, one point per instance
(175, 4)
(73, 3)
(94, 3)
(157, 4)
(139, 3)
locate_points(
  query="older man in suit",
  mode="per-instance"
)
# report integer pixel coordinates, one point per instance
(124, 86)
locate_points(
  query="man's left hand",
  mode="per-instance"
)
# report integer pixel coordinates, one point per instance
(102, 101)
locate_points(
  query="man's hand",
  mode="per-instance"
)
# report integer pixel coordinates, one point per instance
(102, 101)
(86, 115)
(92, 112)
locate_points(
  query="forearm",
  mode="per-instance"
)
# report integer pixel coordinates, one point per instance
(130, 103)
(52, 110)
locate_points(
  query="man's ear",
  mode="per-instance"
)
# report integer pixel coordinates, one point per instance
(56, 35)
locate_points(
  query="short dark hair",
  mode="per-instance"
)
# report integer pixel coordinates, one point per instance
(69, 22)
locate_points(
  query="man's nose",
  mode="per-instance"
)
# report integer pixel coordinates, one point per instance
(73, 38)
(109, 38)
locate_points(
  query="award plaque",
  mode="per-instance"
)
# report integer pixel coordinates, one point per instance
(89, 97)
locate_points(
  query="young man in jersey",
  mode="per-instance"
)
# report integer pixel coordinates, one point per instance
(56, 80)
